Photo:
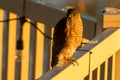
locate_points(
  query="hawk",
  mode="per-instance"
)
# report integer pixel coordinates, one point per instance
(66, 38)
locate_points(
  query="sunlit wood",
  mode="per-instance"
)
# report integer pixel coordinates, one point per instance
(117, 65)
(113, 67)
(111, 20)
(11, 47)
(39, 51)
(25, 52)
(98, 73)
(106, 69)
(108, 43)
(1, 39)
(100, 53)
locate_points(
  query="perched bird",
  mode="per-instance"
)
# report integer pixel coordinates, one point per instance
(66, 38)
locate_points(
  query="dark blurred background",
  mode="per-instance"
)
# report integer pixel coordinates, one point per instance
(89, 7)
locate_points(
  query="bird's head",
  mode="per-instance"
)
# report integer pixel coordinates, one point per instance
(71, 12)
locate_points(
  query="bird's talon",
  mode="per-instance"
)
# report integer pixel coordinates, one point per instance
(72, 61)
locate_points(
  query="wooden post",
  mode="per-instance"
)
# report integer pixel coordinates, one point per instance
(117, 66)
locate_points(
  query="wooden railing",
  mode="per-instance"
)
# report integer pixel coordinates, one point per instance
(101, 64)
(36, 53)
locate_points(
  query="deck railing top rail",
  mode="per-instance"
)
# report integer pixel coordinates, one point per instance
(88, 62)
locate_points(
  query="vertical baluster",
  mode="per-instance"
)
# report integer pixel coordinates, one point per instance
(117, 65)
(32, 54)
(5, 47)
(106, 69)
(1, 41)
(46, 61)
(39, 50)
(18, 64)
(113, 67)
(90, 66)
(98, 73)
(11, 47)
(26, 51)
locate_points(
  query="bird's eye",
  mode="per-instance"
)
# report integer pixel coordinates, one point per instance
(70, 16)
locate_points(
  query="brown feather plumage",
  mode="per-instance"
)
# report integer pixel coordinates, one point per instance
(67, 37)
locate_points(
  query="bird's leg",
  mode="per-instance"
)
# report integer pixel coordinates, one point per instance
(72, 61)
